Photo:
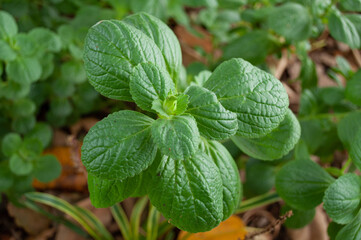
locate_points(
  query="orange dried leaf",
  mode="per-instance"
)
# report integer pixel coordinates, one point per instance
(231, 229)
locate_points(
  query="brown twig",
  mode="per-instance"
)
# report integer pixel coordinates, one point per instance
(282, 64)
(271, 227)
(357, 56)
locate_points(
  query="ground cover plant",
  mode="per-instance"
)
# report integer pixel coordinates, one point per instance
(169, 150)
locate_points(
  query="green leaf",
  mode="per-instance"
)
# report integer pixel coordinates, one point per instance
(275, 144)
(61, 107)
(213, 120)
(23, 124)
(31, 148)
(348, 128)
(163, 37)
(356, 21)
(353, 88)
(232, 188)
(148, 83)
(24, 70)
(22, 108)
(7, 53)
(20, 166)
(119, 146)
(74, 71)
(258, 98)
(355, 149)
(8, 27)
(333, 229)
(351, 5)
(112, 49)
(342, 198)
(46, 39)
(299, 218)
(301, 184)
(10, 144)
(290, 20)
(155, 7)
(6, 177)
(351, 230)
(105, 193)
(343, 30)
(25, 45)
(46, 168)
(177, 137)
(188, 192)
(14, 90)
(43, 132)
(253, 46)
(260, 177)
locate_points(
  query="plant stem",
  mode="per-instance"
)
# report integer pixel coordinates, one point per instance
(258, 201)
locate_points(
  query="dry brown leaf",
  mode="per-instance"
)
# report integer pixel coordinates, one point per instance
(231, 229)
(32, 222)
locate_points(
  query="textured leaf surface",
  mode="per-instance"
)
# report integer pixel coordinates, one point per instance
(105, 193)
(8, 27)
(258, 98)
(342, 198)
(274, 145)
(213, 120)
(112, 49)
(302, 183)
(290, 20)
(343, 30)
(177, 137)
(163, 37)
(148, 83)
(232, 188)
(188, 192)
(119, 146)
(351, 230)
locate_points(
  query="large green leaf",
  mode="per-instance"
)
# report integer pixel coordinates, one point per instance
(353, 88)
(8, 27)
(148, 83)
(232, 188)
(163, 37)
(105, 193)
(112, 49)
(24, 70)
(343, 30)
(119, 146)
(188, 192)
(351, 230)
(299, 218)
(213, 120)
(177, 137)
(258, 98)
(290, 20)
(302, 183)
(342, 198)
(275, 144)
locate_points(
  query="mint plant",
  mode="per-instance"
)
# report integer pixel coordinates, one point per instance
(168, 149)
